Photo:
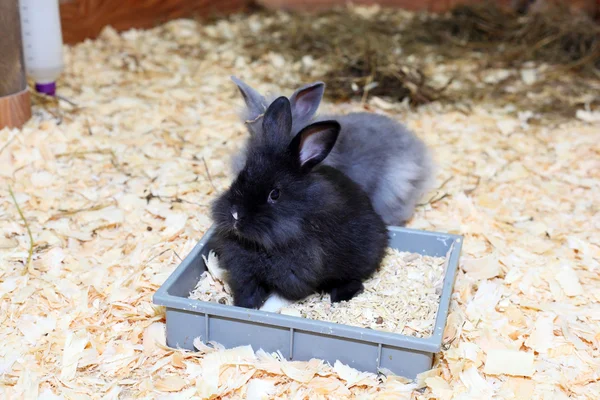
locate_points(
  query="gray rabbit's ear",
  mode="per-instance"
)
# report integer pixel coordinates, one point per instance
(306, 100)
(313, 143)
(255, 102)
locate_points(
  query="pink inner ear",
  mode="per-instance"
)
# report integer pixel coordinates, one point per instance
(301, 107)
(310, 148)
(305, 101)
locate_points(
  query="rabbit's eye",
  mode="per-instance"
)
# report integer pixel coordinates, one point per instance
(274, 195)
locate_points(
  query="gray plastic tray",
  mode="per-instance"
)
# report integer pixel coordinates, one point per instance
(299, 338)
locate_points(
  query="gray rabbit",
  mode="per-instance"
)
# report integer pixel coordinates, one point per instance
(388, 161)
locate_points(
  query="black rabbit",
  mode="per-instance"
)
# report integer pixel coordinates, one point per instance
(291, 227)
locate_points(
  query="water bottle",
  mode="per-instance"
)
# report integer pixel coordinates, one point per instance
(42, 43)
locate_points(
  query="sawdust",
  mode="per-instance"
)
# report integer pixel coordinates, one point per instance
(402, 297)
(523, 195)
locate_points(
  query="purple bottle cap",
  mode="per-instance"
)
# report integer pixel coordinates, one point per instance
(46, 88)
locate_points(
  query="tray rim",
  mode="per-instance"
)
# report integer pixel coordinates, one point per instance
(431, 344)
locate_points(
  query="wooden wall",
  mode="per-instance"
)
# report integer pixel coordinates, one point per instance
(83, 19)
(413, 5)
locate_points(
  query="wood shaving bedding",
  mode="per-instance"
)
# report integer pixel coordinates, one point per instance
(115, 189)
(402, 297)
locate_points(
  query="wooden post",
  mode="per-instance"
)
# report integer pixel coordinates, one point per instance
(15, 105)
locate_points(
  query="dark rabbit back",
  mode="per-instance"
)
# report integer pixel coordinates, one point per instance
(292, 226)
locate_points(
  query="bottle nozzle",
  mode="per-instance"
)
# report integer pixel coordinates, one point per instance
(46, 88)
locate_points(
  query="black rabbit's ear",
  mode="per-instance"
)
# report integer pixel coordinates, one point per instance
(255, 102)
(277, 122)
(306, 99)
(314, 143)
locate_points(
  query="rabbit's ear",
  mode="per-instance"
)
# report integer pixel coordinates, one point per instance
(255, 102)
(314, 143)
(277, 122)
(305, 101)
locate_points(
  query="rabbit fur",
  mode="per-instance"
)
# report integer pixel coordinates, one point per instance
(387, 160)
(291, 226)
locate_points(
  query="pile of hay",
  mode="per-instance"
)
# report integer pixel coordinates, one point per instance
(422, 58)
(361, 52)
(555, 35)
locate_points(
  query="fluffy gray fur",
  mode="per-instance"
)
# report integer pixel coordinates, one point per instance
(386, 159)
